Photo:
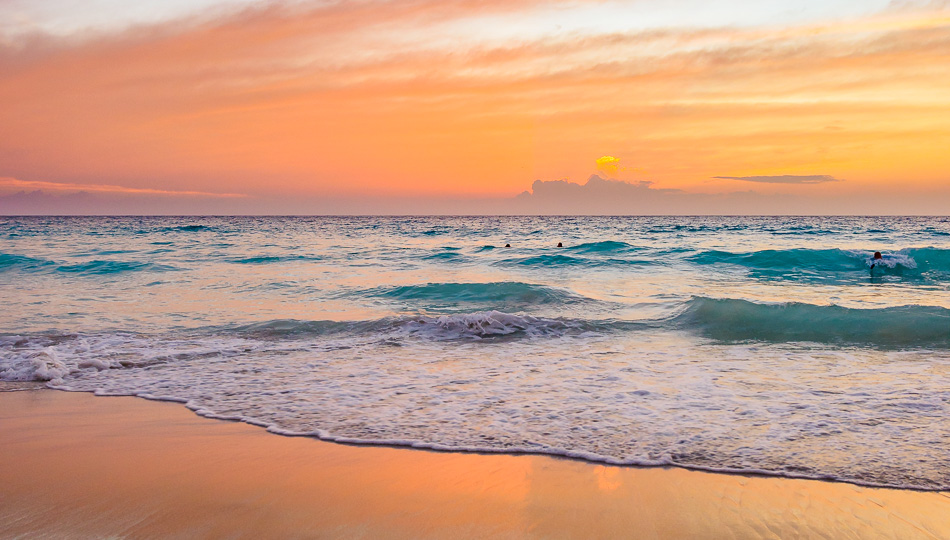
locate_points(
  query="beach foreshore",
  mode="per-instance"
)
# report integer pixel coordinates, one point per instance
(77, 465)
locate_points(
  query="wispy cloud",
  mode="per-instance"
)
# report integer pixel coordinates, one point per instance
(9, 184)
(784, 179)
(431, 98)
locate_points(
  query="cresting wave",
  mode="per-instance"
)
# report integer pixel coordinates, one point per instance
(49, 357)
(721, 319)
(831, 263)
(740, 320)
(497, 295)
(483, 325)
(841, 265)
(724, 320)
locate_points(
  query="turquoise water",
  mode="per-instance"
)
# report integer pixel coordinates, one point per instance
(752, 344)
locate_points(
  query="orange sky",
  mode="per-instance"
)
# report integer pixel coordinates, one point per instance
(478, 98)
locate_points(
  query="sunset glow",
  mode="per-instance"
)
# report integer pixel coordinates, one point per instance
(476, 100)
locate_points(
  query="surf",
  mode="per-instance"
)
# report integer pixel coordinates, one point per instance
(737, 320)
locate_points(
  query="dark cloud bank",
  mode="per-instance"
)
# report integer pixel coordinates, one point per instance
(598, 196)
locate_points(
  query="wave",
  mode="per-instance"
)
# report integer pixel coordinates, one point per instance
(9, 261)
(490, 324)
(96, 267)
(929, 258)
(545, 260)
(606, 246)
(186, 228)
(505, 293)
(512, 402)
(114, 267)
(51, 357)
(269, 259)
(683, 228)
(444, 256)
(912, 263)
(463, 326)
(727, 320)
(735, 320)
(567, 260)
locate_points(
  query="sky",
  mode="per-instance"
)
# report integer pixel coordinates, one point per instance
(475, 106)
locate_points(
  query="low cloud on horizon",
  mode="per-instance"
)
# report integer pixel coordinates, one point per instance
(597, 196)
(785, 179)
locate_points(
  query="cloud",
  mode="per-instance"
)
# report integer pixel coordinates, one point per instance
(31, 197)
(9, 184)
(424, 98)
(784, 179)
(599, 196)
(63, 203)
(602, 196)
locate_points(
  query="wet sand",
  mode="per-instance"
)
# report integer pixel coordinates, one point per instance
(76, 465)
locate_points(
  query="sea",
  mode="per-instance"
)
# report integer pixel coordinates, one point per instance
(762, 345)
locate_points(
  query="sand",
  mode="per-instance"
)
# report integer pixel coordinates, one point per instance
(76, 465)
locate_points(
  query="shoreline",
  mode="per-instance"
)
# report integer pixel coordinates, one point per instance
(513, 451)
(79, 465)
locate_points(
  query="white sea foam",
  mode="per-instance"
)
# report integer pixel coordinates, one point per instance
(46, 366)
(859, 415)
(487, 324)
(899, 259)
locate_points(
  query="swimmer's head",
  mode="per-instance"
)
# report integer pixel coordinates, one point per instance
(560, 245)
(507, 245)
(877, 255)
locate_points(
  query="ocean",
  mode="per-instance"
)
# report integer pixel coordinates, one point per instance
(764, 345)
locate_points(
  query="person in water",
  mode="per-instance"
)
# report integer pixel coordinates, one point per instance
(560, 245)
(877, 259)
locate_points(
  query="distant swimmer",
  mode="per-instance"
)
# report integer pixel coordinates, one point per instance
(507, 245)
(560, 245)
(877, 258)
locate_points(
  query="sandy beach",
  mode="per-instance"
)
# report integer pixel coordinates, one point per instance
(77, 465)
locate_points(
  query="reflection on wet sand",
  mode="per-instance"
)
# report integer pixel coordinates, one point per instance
(79, 465)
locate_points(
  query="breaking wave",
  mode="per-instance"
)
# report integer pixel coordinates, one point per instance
(729, 319)
(833, 264)
(500, 295)
(464, 326)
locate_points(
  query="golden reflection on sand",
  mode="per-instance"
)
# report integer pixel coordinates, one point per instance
(77, 465)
